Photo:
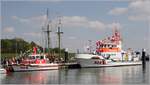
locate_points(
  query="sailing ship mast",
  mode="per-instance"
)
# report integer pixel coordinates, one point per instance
(59, 36)
(48, 31)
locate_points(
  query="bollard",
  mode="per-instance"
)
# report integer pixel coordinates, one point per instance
(66, 55)
(143, 58)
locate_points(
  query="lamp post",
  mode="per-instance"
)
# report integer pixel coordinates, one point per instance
(122, 54)
(90, 47)
(66, 55)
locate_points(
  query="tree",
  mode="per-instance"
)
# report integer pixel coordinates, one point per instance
(16, 44)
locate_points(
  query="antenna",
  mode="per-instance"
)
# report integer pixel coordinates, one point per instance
(90, 47)
(47, 13)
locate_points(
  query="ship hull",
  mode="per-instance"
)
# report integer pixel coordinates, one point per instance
(91, 63)
(88, 62)
(2, 71)
(35, 67)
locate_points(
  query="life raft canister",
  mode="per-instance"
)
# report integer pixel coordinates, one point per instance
(37, 61)
(100, 62)
(43, 61)
(104, 62)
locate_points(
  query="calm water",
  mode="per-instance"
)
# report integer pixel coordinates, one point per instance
(109, 75)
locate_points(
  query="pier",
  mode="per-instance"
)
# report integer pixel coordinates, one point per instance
(70, 65)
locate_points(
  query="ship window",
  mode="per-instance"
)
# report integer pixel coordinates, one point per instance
(101, 46)
(112, 45)
(42, 57)
(32, 57)
(108, 46)
(37, 57)
(104, 45)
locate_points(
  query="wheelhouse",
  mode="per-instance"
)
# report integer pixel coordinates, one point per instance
(40, 56)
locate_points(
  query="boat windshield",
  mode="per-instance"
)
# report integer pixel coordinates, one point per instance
(39, 57)
(32, 57)
(42, 57)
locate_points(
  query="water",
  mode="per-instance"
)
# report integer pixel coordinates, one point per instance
(109, 75)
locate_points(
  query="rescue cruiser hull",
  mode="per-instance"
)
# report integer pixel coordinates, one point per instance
(84, 60)
(2, 71)
(35, 67)
(96, 63)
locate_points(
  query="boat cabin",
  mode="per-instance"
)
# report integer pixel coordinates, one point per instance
(35, 59)
(37, 56)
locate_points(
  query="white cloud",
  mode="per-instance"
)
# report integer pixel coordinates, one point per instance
(118, 11)
(8, 30)
(72, 38)
(20, 19)
(141, 6)
(116, 25)
(140, 10)
(67, 22)
(37, 20)
(138, 17)
(32, 34)
(97, 24)
(83, 22)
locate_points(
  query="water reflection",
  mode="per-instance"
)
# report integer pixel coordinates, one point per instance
(36, 77)
(111, 75)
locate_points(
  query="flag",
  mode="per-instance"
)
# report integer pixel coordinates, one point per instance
(38, 50)
(113, 38)
(97, 43)
(34, 50)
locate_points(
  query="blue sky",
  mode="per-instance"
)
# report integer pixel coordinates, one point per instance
(81, 21)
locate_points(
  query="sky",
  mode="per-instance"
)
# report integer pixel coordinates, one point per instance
(80, 21)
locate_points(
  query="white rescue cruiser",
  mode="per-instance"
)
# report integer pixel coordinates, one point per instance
(108, 53)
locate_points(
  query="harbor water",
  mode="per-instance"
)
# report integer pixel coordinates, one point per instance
(107, 75)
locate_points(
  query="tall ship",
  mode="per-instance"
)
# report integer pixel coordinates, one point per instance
(40, 61)
(109, 52)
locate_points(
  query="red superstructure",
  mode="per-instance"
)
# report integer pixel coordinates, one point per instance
(110, 44)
